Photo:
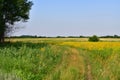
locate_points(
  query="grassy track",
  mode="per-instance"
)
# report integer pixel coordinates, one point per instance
(59, 59)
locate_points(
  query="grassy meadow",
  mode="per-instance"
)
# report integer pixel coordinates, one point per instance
(60, 59)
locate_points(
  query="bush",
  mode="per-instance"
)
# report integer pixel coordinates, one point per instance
(94, 38)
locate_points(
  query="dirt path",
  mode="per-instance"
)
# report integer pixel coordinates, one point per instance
(74, 66)
(78, 59)
(88, 68)
(89, 75)
(82, 61)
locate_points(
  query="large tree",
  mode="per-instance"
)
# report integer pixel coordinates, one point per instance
(12, 11)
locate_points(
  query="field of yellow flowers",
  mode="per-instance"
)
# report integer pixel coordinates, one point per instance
(59, 59)
(102, 57)
(93, 45)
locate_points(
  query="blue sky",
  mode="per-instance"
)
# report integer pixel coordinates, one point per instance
(73, 18)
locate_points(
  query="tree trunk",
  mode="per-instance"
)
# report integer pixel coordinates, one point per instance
(2, 37)
(2, 30)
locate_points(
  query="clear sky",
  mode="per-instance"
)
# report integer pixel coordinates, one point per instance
(73, 18)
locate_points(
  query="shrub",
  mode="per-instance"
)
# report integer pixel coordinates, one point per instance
(94, 38)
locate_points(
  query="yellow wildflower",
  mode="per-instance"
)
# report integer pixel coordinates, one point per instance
(42, 49)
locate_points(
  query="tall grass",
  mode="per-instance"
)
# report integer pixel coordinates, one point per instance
(102, 57)
(27, 61)
(60, 60)
(105, 64)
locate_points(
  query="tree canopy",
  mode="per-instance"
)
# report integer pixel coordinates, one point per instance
(12, 11)
(94, 38)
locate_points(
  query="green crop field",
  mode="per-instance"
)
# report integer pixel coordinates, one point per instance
(60, 59)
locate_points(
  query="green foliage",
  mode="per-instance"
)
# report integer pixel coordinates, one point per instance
(46, 61)
(12, 11)
(94, 38)
(28, 61)
(105, 64)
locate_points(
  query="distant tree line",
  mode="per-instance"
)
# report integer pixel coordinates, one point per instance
(35, 36)
(109, 36)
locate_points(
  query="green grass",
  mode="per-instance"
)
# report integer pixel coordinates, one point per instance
(28, 61)
(47, 60)
(105, 64)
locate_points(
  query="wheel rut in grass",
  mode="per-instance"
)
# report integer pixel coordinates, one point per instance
(89, 76)
(73, 66)
(76, 60)
(88, 68)
(80, 60)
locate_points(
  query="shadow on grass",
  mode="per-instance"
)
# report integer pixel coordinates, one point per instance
(20, 44)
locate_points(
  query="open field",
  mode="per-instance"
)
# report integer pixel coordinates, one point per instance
(60, 59)
(59, 39)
